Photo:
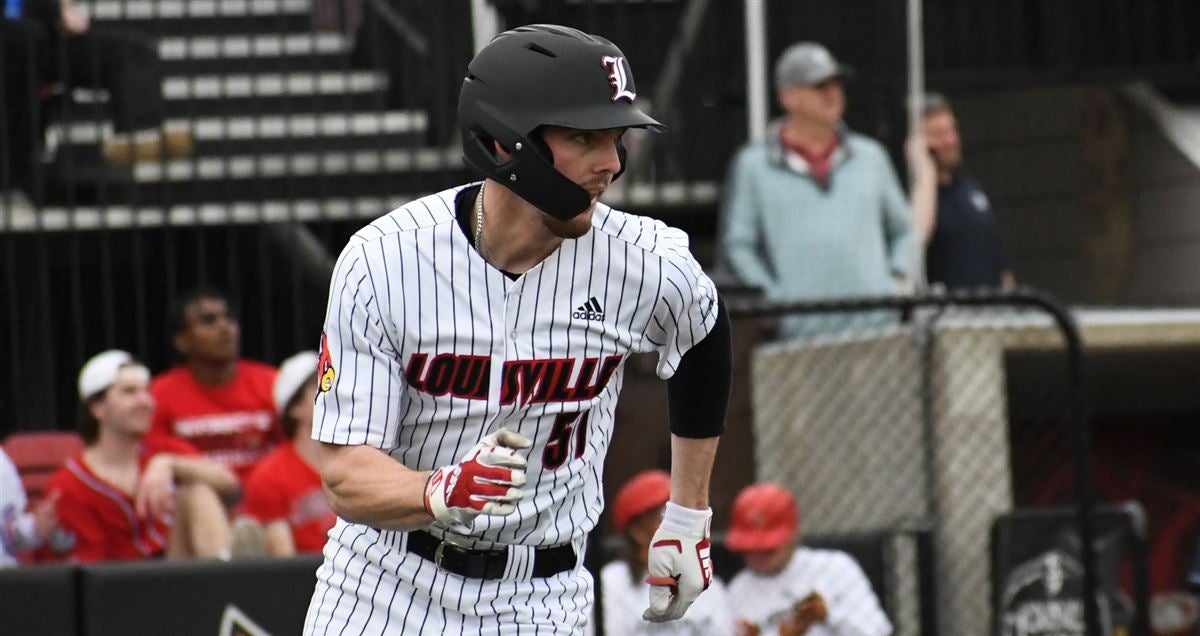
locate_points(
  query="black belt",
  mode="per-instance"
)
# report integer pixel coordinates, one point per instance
(486, 564)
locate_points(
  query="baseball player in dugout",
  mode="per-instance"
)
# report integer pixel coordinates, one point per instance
(790, 589)
(473, 351)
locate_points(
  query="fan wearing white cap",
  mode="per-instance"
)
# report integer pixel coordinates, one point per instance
(283, 492)
(174, 494)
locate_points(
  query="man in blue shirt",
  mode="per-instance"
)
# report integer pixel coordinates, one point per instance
(963, 244)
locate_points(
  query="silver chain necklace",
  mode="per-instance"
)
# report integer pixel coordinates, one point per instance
(479, 220)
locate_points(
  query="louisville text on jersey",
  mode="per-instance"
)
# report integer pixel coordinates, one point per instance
(537, 381)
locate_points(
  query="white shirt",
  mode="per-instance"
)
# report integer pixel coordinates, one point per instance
(16, 526)
(853, 608)
(624, 600)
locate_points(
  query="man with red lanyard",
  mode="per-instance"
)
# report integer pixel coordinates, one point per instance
(128, 496)
(814, 210)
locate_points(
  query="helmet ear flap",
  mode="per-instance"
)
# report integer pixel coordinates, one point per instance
(621, 152)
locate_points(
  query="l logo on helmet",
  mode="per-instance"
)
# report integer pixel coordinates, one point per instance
(618, 77)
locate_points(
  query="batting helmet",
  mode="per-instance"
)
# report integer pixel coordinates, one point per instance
(543, 75)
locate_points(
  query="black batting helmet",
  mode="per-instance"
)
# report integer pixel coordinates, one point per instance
(543, 75)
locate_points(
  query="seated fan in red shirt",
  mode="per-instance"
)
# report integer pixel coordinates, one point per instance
(284, 491)
(130, 496)
(215, 400)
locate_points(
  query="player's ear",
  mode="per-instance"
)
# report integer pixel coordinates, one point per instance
(180, 342)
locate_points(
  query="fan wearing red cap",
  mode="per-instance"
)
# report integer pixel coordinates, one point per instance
(790, 589)
(637, 511)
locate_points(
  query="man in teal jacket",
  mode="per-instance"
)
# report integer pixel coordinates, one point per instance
(814, 210)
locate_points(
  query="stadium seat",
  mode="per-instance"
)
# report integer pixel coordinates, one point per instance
(37, 454)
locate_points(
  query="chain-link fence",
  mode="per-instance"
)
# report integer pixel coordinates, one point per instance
(939, 443)
(929, 422)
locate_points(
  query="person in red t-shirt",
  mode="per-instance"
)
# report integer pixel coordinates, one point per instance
(129, 496)
(284, 491)
(219, 403)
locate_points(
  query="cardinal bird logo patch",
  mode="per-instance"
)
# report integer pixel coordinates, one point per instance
(325, 371)
(619, 77)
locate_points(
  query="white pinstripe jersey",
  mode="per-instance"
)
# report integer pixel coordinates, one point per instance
(432, 348)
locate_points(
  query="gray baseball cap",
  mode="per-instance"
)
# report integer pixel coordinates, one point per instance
(807, 64)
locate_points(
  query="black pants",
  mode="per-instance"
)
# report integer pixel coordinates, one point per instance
(24, 65)
(123, 62)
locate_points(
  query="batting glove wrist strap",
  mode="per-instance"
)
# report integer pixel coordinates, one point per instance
(688, 522)
(486, 481)
(679, 564)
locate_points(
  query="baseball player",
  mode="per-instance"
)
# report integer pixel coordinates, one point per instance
(793, 590)
(472, 356)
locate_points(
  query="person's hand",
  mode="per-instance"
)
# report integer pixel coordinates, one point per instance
(45, 515)
(746, 628)
(920, 162)
(155, 495)
(808, 612)
(487, 481)
(679, 563)
(74, 20)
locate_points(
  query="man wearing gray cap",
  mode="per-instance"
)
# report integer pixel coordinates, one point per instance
(815, 210)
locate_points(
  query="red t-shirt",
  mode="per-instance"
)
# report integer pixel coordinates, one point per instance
(233, 424)
(101, 517)
(283, 486)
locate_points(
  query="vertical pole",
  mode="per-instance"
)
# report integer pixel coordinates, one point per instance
(916, 103)
(756, 69)
(485, 23)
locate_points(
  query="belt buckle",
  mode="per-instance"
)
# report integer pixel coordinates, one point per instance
(440, 551)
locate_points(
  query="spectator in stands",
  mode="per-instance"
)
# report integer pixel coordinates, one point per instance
(124, 63)
(284, 492)
(22, 530)
(637, 511)
(962, 238)
(790, 589)
(220, 403)
(815, 210)
(24, 60)
(129, 495)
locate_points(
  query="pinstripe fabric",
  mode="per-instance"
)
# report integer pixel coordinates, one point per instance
(433, 348)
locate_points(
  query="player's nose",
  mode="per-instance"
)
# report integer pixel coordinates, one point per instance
(609, 161)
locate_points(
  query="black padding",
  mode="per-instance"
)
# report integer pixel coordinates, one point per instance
(190, 597)
(38, 600)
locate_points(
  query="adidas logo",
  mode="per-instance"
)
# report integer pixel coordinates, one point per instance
(590, 310)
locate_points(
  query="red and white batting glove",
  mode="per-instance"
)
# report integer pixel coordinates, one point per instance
(679, 566)
(486, 481)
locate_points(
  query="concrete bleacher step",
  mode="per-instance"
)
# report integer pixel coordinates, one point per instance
(250, 53)
(191, 17)
(232, 94)
(270, 175)
(24, 218)
(154, 211)
(258, 134)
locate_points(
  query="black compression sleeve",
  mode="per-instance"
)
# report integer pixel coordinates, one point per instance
(699, 391)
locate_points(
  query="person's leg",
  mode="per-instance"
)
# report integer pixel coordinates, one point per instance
(24, 50)
(126, 64)
(201, 522)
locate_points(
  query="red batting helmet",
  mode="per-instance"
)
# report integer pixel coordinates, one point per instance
(764, 518)
(647, 491)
